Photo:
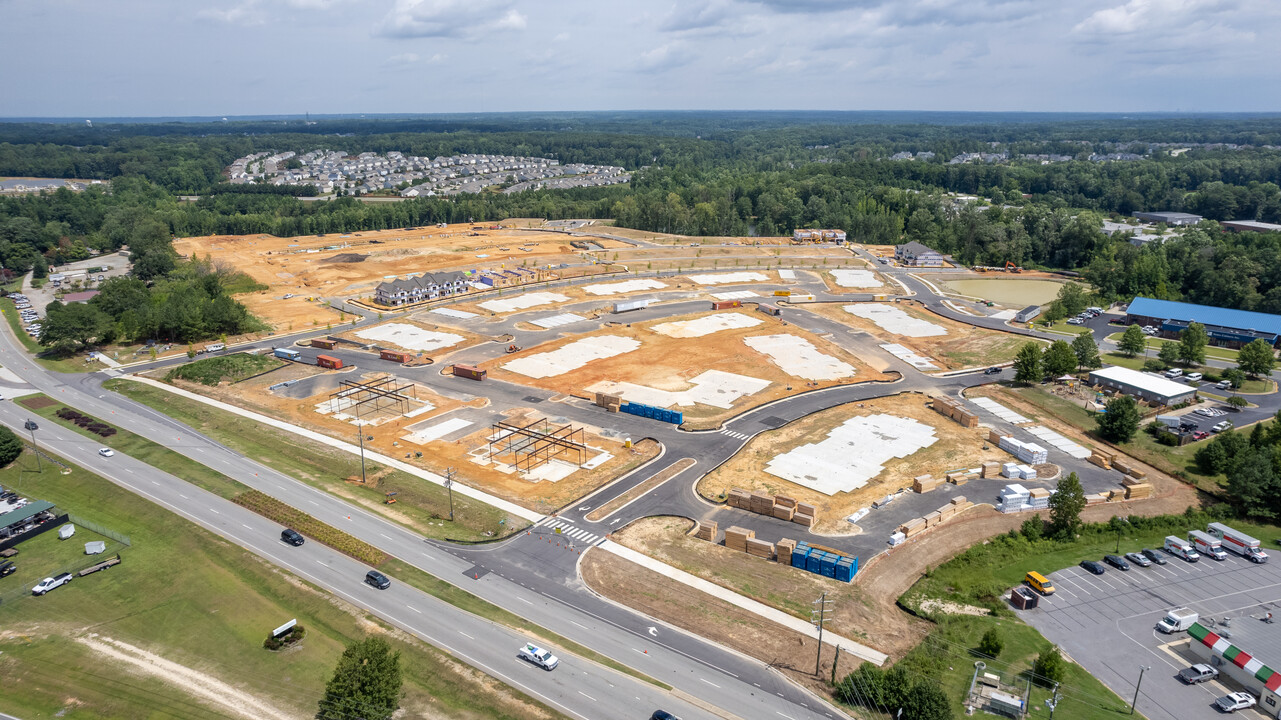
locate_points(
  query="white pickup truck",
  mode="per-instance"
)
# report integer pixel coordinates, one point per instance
(50, 583)
(538, 656)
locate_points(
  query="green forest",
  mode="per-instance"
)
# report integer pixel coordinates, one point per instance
(734, 174)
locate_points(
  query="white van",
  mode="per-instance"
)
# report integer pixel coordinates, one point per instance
(1179, 547)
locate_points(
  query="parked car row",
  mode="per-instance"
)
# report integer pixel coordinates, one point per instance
(30, 320)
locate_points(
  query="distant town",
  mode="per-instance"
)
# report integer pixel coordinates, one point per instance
(332, 171)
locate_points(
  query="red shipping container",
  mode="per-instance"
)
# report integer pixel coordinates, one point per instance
(395, 356)
(328, 361)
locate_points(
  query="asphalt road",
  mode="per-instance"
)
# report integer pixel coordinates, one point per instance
(577, 687)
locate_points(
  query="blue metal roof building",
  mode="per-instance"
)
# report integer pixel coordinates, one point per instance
(1224, 325)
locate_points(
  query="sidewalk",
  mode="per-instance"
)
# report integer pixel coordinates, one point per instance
(776, 616)
(482, 496)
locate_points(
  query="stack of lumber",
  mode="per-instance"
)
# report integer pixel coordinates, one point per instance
(609, 402)
(740, 499)
(760, 548)
(912, 527)
(994, 437)
(782, 512)
(785, 547)
(762, 504)
(924, 484)
(1102, 459)
(960, 478)
(706, 531)
(953, 409)
(991, 470)
(931, 519)
(1094, 499)
(805, 514)
(1136, 489)
(1128, 468)
(736, 537)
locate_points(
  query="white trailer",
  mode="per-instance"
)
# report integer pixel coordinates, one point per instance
(1177, 620)
(1238, 542)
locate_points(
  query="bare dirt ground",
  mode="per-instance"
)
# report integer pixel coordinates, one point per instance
(704, 258)
(295, 313)
(957, 447)
(668, 363)
(354, 263)
(206, 687)
(668, 238)
(963, 346)
(665, 599)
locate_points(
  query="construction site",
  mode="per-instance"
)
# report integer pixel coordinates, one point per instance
(709, 365)
(845, 459)
(927, 341)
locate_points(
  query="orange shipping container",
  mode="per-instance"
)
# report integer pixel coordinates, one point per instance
(328, 361)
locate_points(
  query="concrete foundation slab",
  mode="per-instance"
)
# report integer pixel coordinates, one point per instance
(625, 286)
(706, 325)
(1000, 411)
(522, 302)
(894, 320)
(920, 362)
(429, 430)
(798, 356)
(456, 314)
(558, 320)
(729, 278)
(572, 356)
(855, 278)
(713, 387)
(410, 337)
(736, 295)
(852, 454)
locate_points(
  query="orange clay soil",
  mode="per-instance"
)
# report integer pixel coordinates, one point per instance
(956, 447)
(668, 363)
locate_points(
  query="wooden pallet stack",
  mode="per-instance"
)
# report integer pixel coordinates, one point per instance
(736, 537)
(990, 470)
(924, 483)
(762, 504)
(930, 520)
(953, 409)
(912, 527)
(1126, 467)
(740, 499)
(994, 437)
(706, 531)
(776, 506)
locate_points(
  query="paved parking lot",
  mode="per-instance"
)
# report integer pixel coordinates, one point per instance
(1105, 623)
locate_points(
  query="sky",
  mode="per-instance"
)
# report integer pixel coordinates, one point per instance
(137, 58)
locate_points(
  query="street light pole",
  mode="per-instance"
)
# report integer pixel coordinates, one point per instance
(32, 427)
(1135, 701)
(449, 485)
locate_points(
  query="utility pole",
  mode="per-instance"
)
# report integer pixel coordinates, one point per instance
(1138, 685)
(449, 485)
(1054, 701)
(360, 435)
(818, 615)
(33, 427)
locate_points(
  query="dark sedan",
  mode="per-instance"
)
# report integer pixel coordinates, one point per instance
(1094, 567)
(1154, 556)
(1116, 561)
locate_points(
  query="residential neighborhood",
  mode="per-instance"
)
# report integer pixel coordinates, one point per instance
(331, 171)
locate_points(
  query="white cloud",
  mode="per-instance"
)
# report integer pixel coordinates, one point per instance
(697, 15)
(1148, 15)
(664, 57)
(246, 13)
(450, 18)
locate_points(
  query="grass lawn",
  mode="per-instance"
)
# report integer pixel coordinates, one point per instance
(197, 600)
(1001, 350)
(232, 368)
(422, 505)
(47, 360)
(152, 453)
(1211, 351)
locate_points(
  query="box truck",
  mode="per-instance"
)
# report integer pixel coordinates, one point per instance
(1179, 547)
(1177, 620)
(1207, 545)
(1238, 542)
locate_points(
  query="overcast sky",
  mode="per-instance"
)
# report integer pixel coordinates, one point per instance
(99, 58)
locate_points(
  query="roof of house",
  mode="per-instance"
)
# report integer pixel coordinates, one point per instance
(918, 249)
(1207, 315)
(1147, 382)
(76, 297)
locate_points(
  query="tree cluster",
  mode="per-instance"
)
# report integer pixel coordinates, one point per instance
(1252, 464)
(888, 691)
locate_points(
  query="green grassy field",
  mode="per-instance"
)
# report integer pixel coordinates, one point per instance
(193, 599)
(1211, 351)
(422, 505)
(232, 368)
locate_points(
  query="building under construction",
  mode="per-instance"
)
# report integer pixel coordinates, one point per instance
(528, 446)
(387, 395)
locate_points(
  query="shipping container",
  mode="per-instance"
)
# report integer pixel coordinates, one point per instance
(324, 344)
(768, 309)
(286, 354)
(726, 304)
(328, 361)
(470, 371)
(396, 356)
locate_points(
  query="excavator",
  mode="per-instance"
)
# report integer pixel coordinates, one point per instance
(513, 348)
(1011, 267)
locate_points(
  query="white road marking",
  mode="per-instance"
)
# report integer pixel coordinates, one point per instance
(524, 600)
(589, 697)
(709, 682)
(411, 607)
(385, 536)
(215, 512)
(580, 625)
(469, 637)
(184, 497)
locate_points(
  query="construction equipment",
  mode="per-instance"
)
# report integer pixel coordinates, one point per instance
(391, 499)
(1012, 268)
(513, 348)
